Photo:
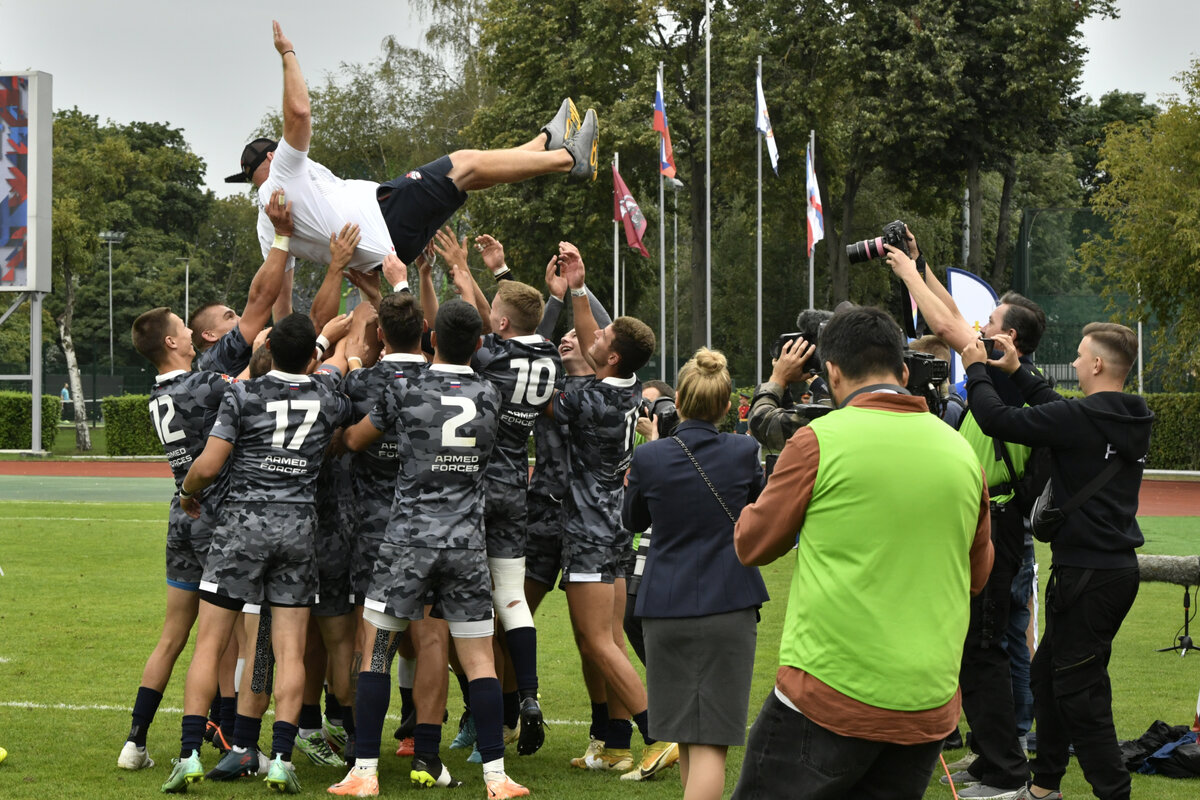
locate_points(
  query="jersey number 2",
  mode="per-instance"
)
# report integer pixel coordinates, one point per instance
(450, 437)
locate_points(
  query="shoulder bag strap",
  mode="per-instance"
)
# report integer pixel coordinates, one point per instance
(711, 488)
(1080, 497)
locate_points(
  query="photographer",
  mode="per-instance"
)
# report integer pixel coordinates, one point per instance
(987, 667)
(774, 414)
(658, 416)
(869, 668)
(1097, 450)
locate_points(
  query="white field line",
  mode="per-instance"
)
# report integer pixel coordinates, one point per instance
(163, 709)
(81, 519)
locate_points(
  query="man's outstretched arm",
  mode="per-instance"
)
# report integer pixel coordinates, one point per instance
(585, 321)
(268, 282)
(297, 114)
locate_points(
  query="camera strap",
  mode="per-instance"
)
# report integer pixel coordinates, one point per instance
(875, 387)
(703, 475)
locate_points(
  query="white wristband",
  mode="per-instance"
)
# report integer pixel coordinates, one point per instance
(580, 292)
(504, 270)
(322, 343)
(402, 286)
(282, 242)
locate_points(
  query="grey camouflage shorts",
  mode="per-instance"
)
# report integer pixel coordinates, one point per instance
(407, 578)
(543, 546)
(504, 519)
(187, 546)
(264, 552)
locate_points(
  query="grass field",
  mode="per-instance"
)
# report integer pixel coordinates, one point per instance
(81, 604)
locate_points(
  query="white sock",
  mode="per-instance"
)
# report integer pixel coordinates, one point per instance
(366, 766)
(304, 733)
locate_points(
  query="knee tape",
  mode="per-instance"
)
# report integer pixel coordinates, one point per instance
(508, 593)
(238, 671)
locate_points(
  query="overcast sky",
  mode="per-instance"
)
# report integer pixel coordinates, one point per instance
(210, 67)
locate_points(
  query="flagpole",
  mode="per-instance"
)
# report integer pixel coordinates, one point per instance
(708, 172)
(662, 262)
(812, 144)
(616, 308)
(758, 273)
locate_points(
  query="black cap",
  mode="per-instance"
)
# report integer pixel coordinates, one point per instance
(253, 154)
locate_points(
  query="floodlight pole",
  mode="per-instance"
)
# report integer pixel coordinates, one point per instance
(110, 237)
(187, 286)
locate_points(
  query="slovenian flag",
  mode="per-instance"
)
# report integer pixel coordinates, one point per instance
(816, 216)
(763, 123)
(666, 154)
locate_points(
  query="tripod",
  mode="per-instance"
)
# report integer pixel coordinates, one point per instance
(1183, 642)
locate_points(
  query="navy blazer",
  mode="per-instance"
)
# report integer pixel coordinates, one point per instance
(691, 567)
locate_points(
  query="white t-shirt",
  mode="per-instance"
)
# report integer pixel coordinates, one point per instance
(321, 204)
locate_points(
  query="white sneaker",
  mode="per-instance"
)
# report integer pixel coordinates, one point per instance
(134, 757)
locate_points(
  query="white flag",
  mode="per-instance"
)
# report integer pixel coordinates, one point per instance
(763, 123)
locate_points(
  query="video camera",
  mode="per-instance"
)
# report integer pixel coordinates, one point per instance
(668, 415)
(925, 376)
(810, 322)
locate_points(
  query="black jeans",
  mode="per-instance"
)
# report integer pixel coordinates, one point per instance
(986, 675)
(1072, 696)
(788, 755)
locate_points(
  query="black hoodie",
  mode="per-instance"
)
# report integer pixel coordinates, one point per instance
(1082, 435)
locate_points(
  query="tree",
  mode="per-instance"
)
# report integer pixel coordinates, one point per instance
(141, 179)
(1088, 121)
(1152, 202)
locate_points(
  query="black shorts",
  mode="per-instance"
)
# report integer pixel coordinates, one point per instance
(416, 204)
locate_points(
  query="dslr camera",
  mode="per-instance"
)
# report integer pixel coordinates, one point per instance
(668, 415)
(894, 233)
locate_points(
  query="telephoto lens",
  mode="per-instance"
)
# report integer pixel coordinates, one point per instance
(865, 250)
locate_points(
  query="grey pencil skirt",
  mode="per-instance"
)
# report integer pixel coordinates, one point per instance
(698, 672)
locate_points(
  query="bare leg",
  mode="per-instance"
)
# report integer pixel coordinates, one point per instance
(537, 143)
(212, 634)
(702, 770)
(591, 608)
(182, 606)
(535, 592)
(288, 628)
(431, 639)
(236, 649)
(338, 635)
(473, 170)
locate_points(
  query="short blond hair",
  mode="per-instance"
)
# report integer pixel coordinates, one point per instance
(1116, 343)
(523, 305)
(704, 387)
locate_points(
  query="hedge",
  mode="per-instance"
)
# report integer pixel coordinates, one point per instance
(1175, 442)
(128, 427)
(16, 419)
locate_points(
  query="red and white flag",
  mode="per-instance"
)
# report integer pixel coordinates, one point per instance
(627, 212)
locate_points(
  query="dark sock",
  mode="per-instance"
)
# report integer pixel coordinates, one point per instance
(599, 727)
(641, 718)
(228, 715)
(463, 685)
(512, 709)
(310, 716)
(407, 706)
(433, 764)
(144, 707)
(522, 646)
(370, 708)
(427, 740)
(214, 711)
(487, 709)
(192, 734)
(333, 709)
(347, 719)
(246, 731)
(620, 731)
(283, 739)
